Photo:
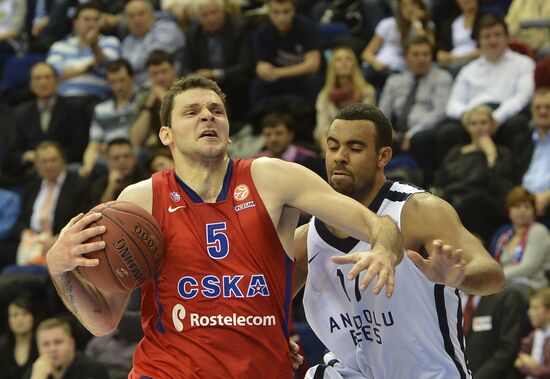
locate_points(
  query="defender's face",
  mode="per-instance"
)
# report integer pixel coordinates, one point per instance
(352, 158)
(199, 124)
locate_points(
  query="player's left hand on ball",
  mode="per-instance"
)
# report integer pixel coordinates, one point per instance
(376, 262)
(445, 265)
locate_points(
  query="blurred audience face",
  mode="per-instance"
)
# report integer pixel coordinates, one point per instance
(212, 16)
(161, 163)
(419, 58)
(493, 42)
(281, 15)
(540, 107)
(120, 157)
(522, 214)
(87, 20)
(121, 83)
(538, 314)
(20, 320)
(49, 163)
(479, 124)
(140, 17)
(411, 10)
(57, 345)
(43, 81)
(343, 62)
(163, 74)
(468, 5)
(277, 139)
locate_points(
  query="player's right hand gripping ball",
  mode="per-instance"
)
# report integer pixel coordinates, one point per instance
(134, 247)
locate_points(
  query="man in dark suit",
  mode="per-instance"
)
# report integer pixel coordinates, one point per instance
(219, 47)
(493, 335)
(54, 197)
(48, 117)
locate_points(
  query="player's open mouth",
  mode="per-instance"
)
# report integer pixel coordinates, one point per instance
(208, 133)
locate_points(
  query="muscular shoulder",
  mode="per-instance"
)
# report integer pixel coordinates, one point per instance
(140, 193)
(425, 217)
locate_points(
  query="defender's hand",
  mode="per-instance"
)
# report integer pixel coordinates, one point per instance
(444, 266)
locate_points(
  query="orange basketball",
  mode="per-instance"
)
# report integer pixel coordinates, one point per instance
(134, 247)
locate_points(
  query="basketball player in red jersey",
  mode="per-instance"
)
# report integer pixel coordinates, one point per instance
(219, 305)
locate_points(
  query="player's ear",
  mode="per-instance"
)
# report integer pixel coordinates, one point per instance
(384, 156)
(165, 135)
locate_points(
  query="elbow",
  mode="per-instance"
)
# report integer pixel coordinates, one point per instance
(103, 329)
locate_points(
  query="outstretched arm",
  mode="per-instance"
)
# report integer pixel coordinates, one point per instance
(288, 184)
(456, 258)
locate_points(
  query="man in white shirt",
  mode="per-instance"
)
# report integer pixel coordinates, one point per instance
(500, 78)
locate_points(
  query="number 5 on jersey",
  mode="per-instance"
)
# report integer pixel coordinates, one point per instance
(217, 243)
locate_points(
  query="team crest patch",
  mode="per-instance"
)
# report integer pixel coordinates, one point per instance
(241, 192)
(175, 196)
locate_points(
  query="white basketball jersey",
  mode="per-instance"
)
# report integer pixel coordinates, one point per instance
(417, 333)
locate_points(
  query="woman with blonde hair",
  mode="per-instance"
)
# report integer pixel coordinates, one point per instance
(344, 85)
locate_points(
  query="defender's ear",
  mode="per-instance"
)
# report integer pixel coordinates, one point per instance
(384, 156)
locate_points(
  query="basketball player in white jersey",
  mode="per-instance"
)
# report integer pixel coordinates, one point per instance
(417, 333)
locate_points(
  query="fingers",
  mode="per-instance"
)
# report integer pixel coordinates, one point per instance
(88, 247)
(86, 262)
(83, 222)
(90, 233)
(416, 258)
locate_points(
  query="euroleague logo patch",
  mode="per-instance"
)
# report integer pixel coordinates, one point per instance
(241, 192)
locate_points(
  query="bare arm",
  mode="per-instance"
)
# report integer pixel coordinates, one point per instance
(369, 53)
(288, 184)
(427, 218)
(300, 255)
(99, 311)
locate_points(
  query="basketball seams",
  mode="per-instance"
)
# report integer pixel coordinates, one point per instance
(121, 227)
(119, 203)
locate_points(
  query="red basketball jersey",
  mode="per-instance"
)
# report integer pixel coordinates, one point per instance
(219, 305)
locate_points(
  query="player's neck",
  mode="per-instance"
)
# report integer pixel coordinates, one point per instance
(205, 178)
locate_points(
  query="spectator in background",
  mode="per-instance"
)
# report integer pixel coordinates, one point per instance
(287, 54)
(475, 178)
(500, 78)
(523, 248)
(383, 54)
(344, 85)
(493, 328)
(51, 199)
(414, 100)
(123, 171)
(534, 161)
(80, 60)
(534, 358)
(457, 44)
(113, 117)
(145, 128)
(18, 346)
(58, 356)
(522, 19)
(278, 131)
(11, 29)
(219, 48)
(160, 160)
(147, 35)
(48, 117)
